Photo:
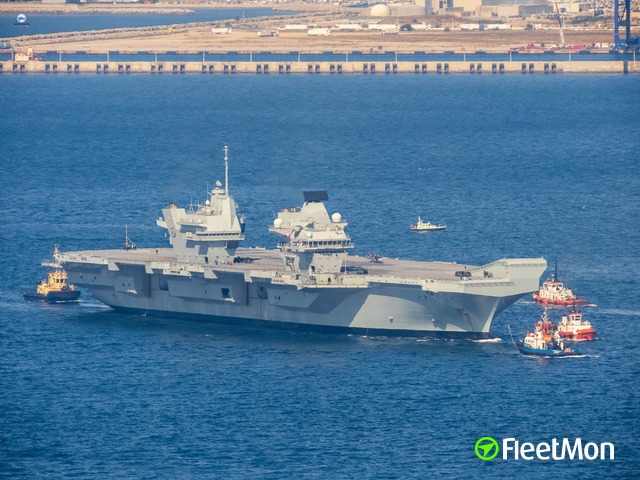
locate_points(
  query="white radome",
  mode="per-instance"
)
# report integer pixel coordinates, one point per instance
(336, 218)
(380, 10)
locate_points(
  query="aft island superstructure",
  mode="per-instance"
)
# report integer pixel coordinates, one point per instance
(310, 281)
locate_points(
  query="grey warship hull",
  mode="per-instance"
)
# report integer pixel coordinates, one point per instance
(309, 282)
(396, 297)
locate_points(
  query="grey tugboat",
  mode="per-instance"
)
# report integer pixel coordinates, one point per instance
(308, 282)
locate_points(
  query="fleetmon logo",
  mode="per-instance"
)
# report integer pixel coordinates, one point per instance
(487, 448)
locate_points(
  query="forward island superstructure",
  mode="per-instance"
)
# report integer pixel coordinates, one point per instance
(309, 282)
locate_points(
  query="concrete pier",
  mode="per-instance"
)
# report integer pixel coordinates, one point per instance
(377, 67)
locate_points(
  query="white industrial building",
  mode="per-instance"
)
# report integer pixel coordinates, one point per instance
(421, 7)
(472, 8)
(476, 8)
(575, 7)
(319, 32)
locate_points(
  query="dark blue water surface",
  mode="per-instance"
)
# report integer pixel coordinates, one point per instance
(514, 165)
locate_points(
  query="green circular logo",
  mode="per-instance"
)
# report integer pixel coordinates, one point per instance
(484, 448)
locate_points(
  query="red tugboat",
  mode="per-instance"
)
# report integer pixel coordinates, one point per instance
(546, 327)
(573, 327)
(553, 292)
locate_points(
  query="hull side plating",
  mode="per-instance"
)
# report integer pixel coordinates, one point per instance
(359, 304)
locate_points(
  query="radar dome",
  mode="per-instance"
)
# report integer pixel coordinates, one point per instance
(277, 223)
(380, 10)
(336, 218)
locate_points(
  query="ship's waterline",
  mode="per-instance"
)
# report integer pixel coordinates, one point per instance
(239, 293)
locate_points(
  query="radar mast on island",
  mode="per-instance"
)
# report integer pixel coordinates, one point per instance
(315, 243)
(209, 233)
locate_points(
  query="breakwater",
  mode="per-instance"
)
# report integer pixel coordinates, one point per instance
(374, 67)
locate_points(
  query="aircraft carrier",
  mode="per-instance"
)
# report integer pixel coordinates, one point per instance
(308, 282)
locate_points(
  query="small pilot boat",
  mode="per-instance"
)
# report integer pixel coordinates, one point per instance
(54, 288)
(425, 226)
(554, 293)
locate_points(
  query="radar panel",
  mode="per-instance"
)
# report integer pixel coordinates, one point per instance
(316, 196)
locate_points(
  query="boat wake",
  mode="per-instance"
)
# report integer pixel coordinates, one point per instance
(620, 312)
(581, 355)
(488, 340)
(92, 305)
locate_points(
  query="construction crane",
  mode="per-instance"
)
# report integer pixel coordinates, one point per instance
(622, 19)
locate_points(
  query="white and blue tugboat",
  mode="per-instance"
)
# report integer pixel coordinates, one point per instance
(544, 341)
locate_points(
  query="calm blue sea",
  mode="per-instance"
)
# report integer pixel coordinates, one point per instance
(540, 165)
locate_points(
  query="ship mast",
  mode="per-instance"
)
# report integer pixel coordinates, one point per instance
(128, 244)
(226, 170)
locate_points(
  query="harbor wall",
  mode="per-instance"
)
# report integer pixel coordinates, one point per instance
(383, 67)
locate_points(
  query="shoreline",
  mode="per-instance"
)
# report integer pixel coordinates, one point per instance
(243, 35)
(155, 9)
